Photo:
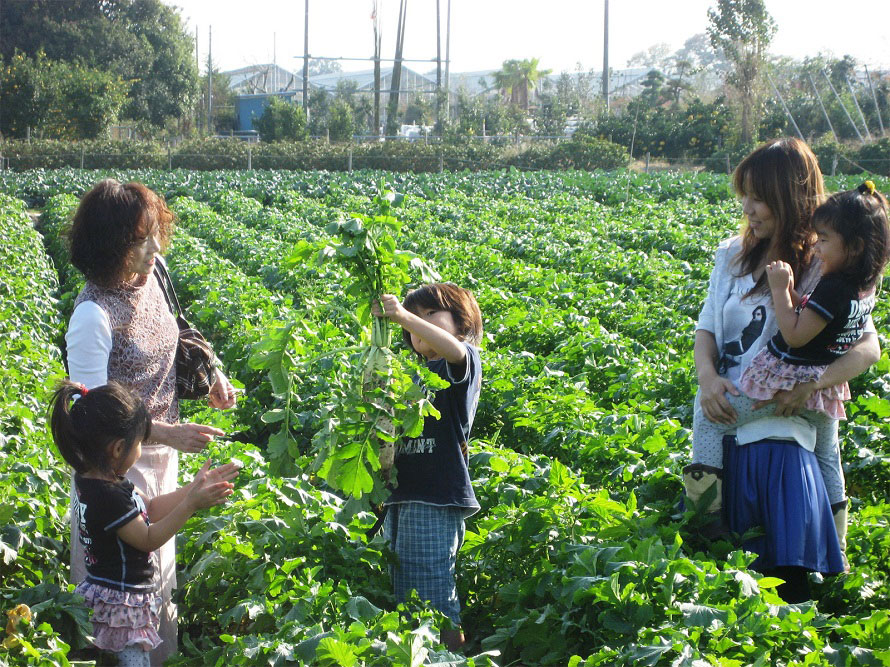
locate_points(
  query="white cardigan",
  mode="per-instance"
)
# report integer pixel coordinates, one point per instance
(711, 319)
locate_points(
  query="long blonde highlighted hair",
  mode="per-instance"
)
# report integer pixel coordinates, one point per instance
(785, 175)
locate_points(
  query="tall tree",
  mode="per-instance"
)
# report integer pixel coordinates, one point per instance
(143, 42)
(318, 66)
(653, 87)
(56, 99)
(742, 30)
(655, 57)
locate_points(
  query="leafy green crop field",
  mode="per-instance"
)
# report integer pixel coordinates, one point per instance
(589, 284)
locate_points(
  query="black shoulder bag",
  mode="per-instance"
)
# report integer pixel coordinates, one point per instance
(195, 360)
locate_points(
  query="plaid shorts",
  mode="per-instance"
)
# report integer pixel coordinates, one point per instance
(426, 539)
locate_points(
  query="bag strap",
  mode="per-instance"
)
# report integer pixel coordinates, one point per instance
(166, 284)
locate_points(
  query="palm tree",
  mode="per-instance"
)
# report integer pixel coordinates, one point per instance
(517, 77)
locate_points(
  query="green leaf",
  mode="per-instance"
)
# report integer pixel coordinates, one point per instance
(333, 651)
(770, 582)
(353, 477)
(359, 609)
(273, 416)
(701, 616)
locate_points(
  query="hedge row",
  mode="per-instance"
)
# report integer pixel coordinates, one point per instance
(399, 156)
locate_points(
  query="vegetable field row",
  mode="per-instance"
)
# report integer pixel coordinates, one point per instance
(589, 285)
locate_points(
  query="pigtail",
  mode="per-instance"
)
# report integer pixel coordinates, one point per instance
(860, 217)
(83, 427)
(876, 251)
(66, 435)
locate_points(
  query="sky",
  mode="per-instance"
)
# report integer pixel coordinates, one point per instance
(484, 33)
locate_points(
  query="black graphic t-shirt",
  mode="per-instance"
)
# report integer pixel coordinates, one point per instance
(844, 308)
(102, 508)
(433, 468)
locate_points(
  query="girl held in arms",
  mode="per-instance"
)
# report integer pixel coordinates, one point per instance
(814, 329)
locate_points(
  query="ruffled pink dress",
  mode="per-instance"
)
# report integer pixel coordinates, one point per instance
(122, 619)
(768, 374)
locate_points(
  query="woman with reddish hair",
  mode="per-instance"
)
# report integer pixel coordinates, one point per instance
(122, 329)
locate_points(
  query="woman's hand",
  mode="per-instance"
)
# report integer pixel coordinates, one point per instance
(780, 276)
(187, 438)
(713, 400)
(792, 402)
(222, 394)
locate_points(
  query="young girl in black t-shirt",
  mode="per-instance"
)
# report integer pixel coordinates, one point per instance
(100, 434)
(815, 329)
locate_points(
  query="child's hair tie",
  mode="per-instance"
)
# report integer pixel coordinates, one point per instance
(867, 188)
(83, 389)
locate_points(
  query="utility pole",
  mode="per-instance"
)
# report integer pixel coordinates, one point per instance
(606, 54)
(377, 40)
(198, 70)
(306, 64)
(209, 79)
(438, 66)
(448, 62)
(392, 109)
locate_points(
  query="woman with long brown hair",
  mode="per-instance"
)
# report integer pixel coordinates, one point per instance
(780, 186)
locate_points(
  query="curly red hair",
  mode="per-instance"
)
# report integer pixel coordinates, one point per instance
(110, 220)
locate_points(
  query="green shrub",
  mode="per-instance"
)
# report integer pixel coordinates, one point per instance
(875, 157)
(314, 154)
(211, 154)
(282, 121)
(827, 150)
(341, 124)
(589, 154)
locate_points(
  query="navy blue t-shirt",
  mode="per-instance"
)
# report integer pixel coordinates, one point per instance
(844, 308)
(433, 468)
(102, 508)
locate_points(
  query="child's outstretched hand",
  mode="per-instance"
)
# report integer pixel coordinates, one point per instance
(780, 276)
(390, 307)
(212, 487)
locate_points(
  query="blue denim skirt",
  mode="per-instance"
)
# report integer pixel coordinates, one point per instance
(776, 486)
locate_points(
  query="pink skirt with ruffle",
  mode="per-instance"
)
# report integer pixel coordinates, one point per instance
(768, 374)
(122, 619)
